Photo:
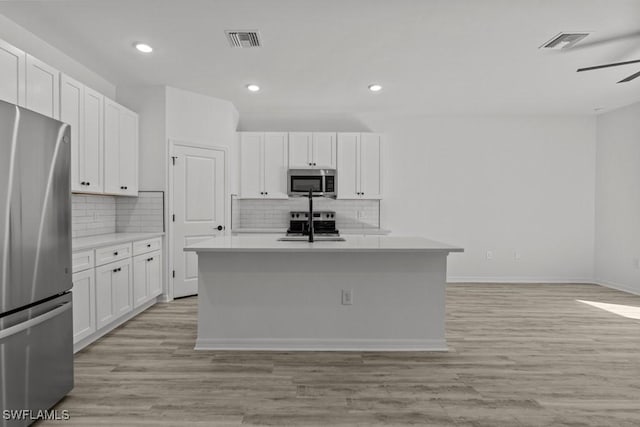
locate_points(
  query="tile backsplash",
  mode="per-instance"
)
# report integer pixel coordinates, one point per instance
(142, 214)
(350, 214)
(96, 214)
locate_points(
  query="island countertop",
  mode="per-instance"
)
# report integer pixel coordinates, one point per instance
(270, 243)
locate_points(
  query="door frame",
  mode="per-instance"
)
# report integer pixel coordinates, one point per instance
(172, 143)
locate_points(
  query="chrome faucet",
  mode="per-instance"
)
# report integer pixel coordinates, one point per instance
(310, 215)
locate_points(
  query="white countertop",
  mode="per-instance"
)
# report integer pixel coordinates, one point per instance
(89, 242)
(363, 231)
(352, 243)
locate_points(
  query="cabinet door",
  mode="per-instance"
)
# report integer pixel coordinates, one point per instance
(371, 166)
(140, 281)
(71, 100)
(122, 292)
(12, 74)
(154, 273)
(348, 166)
(105, 309)
(42, 88)
(251, 165)
(275, 165)
(91, 142)
(128, 152)
(84, 304)
(300, 150)
(111, 147)
(324, 150)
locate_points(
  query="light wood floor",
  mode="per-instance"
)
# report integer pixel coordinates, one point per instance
(520, 355)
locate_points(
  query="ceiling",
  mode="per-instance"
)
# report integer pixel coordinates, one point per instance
(431, 56)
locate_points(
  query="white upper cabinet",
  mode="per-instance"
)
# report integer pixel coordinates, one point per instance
(324, 150)
(12, 74)
(120, 150)
(71, 105)
(42, 88)
(308, 150)
(359, 166)
(263, 165)
(81, 107)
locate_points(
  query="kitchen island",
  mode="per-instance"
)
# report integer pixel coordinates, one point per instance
(365, 293)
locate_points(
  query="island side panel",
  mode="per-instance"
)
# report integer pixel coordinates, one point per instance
(292, 301)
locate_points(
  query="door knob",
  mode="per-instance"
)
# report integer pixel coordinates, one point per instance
(220, 228)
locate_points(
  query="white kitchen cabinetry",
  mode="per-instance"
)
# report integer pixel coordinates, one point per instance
(42, 88)
(81, 107)
(147, 277)
(113, 291)
(359, 166)
(12, 74)
(308, 150)
(263, 165)
(120, 150)
(84, 304)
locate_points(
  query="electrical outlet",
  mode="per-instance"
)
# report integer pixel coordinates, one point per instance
(347, 297)
(636, 263)
(489, 254)
(517, 256)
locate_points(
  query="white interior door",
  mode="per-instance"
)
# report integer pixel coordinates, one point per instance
(198, 199)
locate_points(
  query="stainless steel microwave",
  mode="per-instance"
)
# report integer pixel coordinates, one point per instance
(322, 182)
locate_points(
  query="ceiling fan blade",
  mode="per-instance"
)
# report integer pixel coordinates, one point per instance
(631, 77)
(613, 64)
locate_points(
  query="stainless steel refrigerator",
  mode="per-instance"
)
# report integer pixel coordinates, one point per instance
(36, 326)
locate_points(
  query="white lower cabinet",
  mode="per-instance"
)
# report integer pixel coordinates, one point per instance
(113, 291)
(147, 279)
(111, 285)
(84, 304)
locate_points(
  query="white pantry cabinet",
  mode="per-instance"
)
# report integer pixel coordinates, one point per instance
(84, 304)
(12, 74)
(147, 279)
(120, 150)
(263, 165)
(359, 165)
(42, 88)
(81, 107)
(113, 291)
(308, 150)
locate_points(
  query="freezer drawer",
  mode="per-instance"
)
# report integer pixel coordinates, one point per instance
(36, 358)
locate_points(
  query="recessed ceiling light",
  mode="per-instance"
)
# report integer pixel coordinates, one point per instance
(253, 88)
(375, 87)
(143, 47)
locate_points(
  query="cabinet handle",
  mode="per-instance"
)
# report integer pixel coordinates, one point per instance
(115, 254)
(149, 245)
(115, 270)
(266, 192)
(88, 183)
(149, 259)
(314, 164)
(83, 183)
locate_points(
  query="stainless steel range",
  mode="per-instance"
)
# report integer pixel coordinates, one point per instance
(324, 223)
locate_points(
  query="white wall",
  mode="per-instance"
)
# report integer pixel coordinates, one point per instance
(504, 184)
(618, 199)
(22, 39)
(196, 118)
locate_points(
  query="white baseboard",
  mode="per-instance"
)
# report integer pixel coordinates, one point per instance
(617, 286)
(321, 345)
(518, 279)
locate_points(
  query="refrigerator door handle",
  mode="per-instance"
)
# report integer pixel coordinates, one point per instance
(35, 321)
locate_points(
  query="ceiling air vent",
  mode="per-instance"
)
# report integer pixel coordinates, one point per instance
(243, 38)
(564, 41)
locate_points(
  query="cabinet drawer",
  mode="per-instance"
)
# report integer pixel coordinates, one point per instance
(144, 246)
(113, 253)
(83, 260)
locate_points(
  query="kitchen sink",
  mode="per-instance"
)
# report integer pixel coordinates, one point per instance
(315, 239)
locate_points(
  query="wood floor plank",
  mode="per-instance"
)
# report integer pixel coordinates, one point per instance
(520, 355)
